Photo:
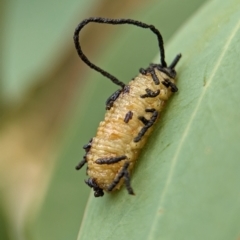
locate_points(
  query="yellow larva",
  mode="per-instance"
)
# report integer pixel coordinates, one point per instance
(131, 113)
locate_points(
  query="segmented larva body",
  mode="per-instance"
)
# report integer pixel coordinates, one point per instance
(131, 113)
(116, 137)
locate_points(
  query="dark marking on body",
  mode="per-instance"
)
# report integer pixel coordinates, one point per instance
(147, 124)
(112, 99)
(150, 70)
(110, 160)
(150, 93)
(150, 110)
(142, 71)
(126, 89)
(143, 120)
(167, 83)
(154, 77)
(128, 116)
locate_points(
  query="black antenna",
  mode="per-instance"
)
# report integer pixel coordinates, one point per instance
(115, 21)
(175, 61)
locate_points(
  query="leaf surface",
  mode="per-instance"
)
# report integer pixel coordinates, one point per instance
(187, 178)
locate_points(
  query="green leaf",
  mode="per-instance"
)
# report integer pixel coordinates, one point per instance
(187, 178)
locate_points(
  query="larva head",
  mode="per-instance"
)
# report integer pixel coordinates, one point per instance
(170, 70)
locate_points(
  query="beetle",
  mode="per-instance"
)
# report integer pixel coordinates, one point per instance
(131, 113)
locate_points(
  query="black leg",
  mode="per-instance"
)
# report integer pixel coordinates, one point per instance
(81, 164)
(123, 173)
(116, 180)
(87, 146)
(98, 192)
(127, 182)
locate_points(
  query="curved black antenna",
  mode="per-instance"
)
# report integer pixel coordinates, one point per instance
(115, 21)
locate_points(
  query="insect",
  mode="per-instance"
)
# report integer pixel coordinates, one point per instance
(131, 113)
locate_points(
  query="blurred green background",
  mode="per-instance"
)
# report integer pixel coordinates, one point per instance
(51, 103)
